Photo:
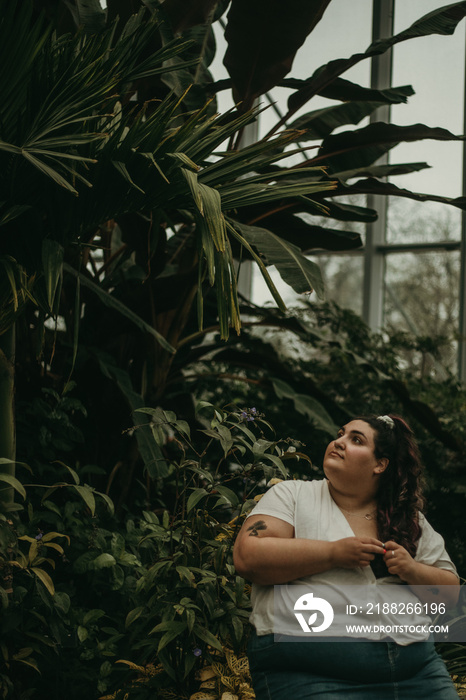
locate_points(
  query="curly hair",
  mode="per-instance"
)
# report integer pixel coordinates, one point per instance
(400, 494)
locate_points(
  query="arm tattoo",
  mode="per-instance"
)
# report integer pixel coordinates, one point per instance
(254, 529)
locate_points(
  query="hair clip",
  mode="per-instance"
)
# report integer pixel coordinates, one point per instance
(387, 420)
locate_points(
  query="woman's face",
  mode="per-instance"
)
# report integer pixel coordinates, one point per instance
(351, 455)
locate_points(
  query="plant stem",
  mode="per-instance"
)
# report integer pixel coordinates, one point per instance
(7, 422)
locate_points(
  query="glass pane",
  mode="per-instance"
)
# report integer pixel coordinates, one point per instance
(262, 296)
(434, 66)
(328, 41)
(431, 222)
(343, 278)
(421, 298)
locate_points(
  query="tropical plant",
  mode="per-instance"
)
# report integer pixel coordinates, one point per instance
(156, 588)
(256, 67)
(75, 155)
(169, 217)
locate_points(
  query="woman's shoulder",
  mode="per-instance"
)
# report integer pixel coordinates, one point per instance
(300, 487)
(287, 497)
(301, 484)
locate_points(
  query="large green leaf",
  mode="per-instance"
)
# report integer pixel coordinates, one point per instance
(349, 212)
(44, 578)
(373, 186)
(213, 215)
(87, 495)
(52, 262)
(382, 170)
(331, 208)
(322, 122)
(440, 21)
(13, 482)
(295, 269)
(306, 405)
(307, 236)
(362, 147)
(12, 213)
(345, 90)
(233, 227)
(152, 455)
(263, 38)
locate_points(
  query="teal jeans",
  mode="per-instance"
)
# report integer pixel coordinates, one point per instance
(354, 670)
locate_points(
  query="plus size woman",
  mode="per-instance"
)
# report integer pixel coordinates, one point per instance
(361, 525)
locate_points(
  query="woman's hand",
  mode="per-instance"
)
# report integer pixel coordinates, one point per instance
(399, 561)
(352, 552)
(421, 577)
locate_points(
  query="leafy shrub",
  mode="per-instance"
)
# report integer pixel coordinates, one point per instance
(155, 588)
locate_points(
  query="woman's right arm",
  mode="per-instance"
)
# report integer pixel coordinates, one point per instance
(266, 552)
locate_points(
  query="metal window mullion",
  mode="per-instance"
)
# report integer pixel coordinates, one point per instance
(374, 259)
(434, 246)
(462, 285)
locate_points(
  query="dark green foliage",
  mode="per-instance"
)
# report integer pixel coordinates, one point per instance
(320, 366)
(83, 589)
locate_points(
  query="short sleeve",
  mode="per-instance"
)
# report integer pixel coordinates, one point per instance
(431, 548)
(279, 502)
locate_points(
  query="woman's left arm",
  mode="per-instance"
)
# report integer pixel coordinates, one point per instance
(400, 563)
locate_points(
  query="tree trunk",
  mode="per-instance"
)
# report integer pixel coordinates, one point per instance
(7, 413)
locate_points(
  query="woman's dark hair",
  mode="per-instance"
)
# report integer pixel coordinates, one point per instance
(399, 498)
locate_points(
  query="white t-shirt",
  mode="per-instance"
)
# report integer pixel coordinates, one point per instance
(309, 507)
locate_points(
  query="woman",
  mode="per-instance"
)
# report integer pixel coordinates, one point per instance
(361, 525)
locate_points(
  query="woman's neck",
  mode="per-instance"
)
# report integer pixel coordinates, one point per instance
(353, 502)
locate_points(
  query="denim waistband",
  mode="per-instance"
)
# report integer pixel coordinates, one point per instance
(347, 660)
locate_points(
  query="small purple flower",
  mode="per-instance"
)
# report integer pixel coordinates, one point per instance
(197, 651)
(39, 536)
(248, 415)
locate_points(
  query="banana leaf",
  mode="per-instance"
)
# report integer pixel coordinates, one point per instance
(257, 65)
(373, 186)
(294, 268)
(308, 237)
(306, 405)
(346, 91)
(362, 147)
(322, 122)
(382, 170)
(440, 21)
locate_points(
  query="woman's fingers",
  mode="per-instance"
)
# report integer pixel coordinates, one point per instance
(352, 552)
(372, 545)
